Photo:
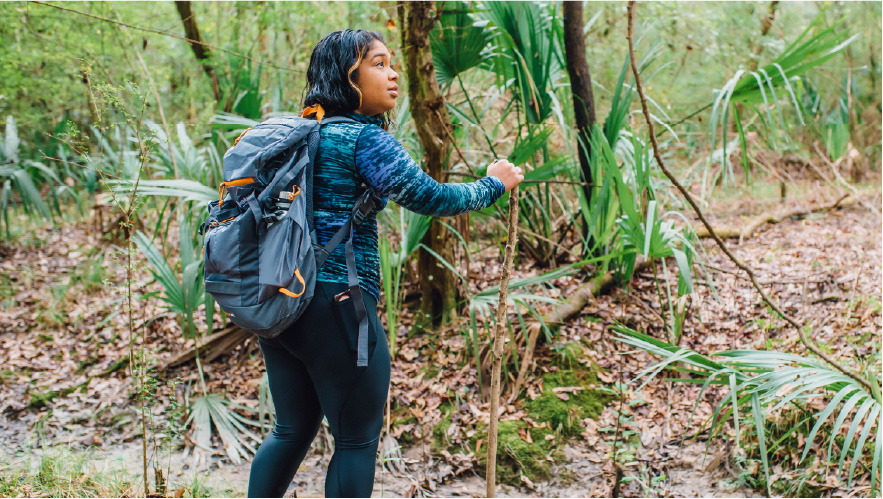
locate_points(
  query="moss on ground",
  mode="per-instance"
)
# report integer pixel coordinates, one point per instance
(515, 456)
(586, 403)
(402, 416)
(431, 371)
(440, 439)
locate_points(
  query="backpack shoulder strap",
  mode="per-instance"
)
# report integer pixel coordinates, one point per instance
(336, 119)
(366, 202)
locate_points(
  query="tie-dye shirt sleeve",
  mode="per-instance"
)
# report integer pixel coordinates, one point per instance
(389, 169)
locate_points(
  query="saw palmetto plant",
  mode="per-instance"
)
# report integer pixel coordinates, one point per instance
(770, 87)
(762, 382)
(17, 186)
(182, 296)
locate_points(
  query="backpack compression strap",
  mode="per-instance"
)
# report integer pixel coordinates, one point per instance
(366, 202)
(363, 206)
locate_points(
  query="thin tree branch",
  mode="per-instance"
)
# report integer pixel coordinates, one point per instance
(459, 174)
(639, 86)
(163, 33)
(498, 340)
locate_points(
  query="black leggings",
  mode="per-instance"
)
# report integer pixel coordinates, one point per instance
(312, 371)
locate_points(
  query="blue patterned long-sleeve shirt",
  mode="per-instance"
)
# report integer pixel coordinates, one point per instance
(386, 166)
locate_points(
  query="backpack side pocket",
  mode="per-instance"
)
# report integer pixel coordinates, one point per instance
(231, 262)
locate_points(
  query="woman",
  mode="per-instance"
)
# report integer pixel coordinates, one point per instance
(311, 366)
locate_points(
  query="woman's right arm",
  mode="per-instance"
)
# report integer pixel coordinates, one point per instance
(388, 168)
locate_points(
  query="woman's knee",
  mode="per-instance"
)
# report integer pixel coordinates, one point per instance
(295, 434)
(357, 443)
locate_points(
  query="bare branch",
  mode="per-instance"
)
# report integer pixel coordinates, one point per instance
(639, 86)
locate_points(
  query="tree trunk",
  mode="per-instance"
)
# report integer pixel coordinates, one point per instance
(764, 30)
(191, 32)
(581, 88)
(438, 284)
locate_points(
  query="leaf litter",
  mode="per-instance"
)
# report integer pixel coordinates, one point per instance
(64, 351)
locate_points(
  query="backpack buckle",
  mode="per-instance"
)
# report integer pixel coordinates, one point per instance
(363, 207)
(359, 216)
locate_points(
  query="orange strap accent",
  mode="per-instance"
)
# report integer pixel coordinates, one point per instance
(302, 283)
(222, 189)
(317, 109)
(239, 181)
(294, 194)
(240, 136)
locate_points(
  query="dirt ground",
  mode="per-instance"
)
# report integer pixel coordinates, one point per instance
(687, 469)
(825, 267)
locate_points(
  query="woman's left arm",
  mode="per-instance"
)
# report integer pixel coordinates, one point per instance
(389, 169)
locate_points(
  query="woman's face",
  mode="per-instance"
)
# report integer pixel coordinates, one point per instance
(377, 81)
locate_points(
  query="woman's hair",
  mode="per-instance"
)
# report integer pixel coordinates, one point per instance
(334, 70)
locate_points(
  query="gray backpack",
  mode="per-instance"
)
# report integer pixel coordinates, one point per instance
(261, 253)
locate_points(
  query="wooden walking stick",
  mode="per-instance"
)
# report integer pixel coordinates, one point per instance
(498, 340)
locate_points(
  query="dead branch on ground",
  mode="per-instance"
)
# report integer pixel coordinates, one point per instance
(639, 87)
(750, 228)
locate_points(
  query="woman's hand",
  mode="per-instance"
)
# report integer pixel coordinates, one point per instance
(507, 172)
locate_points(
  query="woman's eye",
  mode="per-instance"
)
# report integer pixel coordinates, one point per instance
(380, 63)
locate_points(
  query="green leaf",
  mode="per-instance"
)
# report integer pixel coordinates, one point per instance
(459, 42)
(823, 416)
(757, 410)
(163, 273)
(871, 422)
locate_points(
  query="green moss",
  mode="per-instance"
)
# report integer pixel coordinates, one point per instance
(440, 439)
(567, 414)
(431, 371)
(568, 355)
(42, 399)
(515, 457)
(402, 416)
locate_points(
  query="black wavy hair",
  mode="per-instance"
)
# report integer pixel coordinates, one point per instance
(334, 70)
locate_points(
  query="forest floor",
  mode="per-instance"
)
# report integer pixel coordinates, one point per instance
(64, 389)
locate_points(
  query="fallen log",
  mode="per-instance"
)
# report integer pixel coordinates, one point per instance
(224, 341)
(771, 218)
(564, 312)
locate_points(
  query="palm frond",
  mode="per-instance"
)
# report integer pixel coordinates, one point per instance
(211, 411)
(459, 42)
(765, 381)
(758, 87)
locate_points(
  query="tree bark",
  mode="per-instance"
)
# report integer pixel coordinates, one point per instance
(764, 30)
(191, 31)
(438, 284)
(499, 338)
(581, 87)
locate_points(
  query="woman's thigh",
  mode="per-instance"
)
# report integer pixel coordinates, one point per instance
(294, 395)
(325, 338)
